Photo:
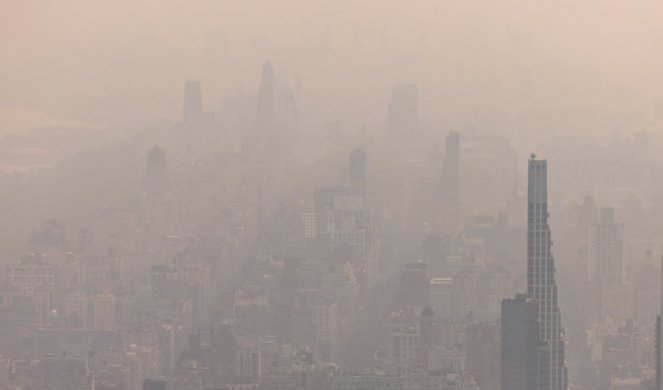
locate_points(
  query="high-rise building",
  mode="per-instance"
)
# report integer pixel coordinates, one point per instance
(103, 315)
(248, 359)
(442, 297)
(155, 178)
(520, 354)
(358, 169)
(265, 111)
(659, 339)
(605, 251)
(403, 112)
(154, 384)
(659, 360)
(482, 354)
(414, 285)
(274, 134)
(451, 172)
(451, 180)
(541, 283)
(326, 327)
(193, 101)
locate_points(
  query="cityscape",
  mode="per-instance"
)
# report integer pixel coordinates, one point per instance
(310, 195)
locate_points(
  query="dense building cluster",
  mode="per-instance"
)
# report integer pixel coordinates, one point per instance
(390, 262)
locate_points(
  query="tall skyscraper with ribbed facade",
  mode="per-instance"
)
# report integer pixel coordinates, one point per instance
(541, 283)
(659, 339)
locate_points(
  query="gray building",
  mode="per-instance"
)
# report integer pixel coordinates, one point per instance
(403, 113)
(605, 251)
(541, 283)
(522, 355)
(193, 101)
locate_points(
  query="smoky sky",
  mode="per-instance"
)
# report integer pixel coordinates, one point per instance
(573, 65)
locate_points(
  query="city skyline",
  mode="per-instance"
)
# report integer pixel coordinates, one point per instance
(303, 195)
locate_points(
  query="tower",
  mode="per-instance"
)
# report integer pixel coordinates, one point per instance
(358, 169)
(193, 101)
(403, 112)
(604, 255)
(541, 284)
(265, 111)
(155, 179)
(427, 333)
(451, 171)
(659, 339)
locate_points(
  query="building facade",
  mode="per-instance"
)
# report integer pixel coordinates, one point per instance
(541, 283)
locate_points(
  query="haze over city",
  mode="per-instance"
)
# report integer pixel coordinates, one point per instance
(331, 195)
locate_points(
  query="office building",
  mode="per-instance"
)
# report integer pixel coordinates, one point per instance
(451, 170)
(265, 115)
(193, 101)
(358, 169)
(605, 251)
(659, 339)
(403, 115)
(154, 384)
(541, 284)
(155, 178)
(482, 354)
(521, 368)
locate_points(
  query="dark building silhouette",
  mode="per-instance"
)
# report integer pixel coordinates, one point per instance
(659, 339)
(520, 351)
(541, 283)
(193, 102)
(358, 168)
(403, 112)
(154, 384)
(156, 181)
(414, 286)
(428, 332)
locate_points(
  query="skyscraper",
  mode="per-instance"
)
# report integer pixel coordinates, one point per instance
(154, 384)
(452, 164)
(193, 101)
(156, 181)
(403, 110)
(265, 115)
(275, 131)
(482, 354)
(604, 255)
(358, 169)
(520, 345)
(659, 339)
(541, 284)
(451, 170)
